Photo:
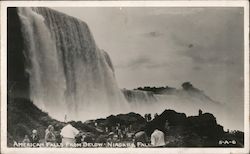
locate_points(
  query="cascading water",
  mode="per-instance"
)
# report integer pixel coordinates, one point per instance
(68, 73)
(138, 97)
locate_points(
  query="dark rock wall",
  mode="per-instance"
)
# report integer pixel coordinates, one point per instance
(18, 80)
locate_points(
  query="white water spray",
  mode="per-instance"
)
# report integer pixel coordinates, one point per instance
(68, 73)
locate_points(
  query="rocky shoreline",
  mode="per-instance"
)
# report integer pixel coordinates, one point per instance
(201, 130)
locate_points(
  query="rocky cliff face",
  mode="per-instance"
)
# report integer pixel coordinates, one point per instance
(193, 131)
(18, 78)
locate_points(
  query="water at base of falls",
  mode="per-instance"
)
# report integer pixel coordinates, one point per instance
(68, 74)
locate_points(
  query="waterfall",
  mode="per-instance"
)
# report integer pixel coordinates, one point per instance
(139, 97)
(68, 73)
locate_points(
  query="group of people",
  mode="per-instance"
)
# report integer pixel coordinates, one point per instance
(148, 116)
(34, 138)
(67, 135)
(118, 133)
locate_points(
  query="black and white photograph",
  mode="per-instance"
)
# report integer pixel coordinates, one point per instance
(125, 77)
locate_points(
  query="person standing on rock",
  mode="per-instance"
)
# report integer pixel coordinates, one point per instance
(26, 139)
(34, 138)
(50, 135)
(68, 134)
(166, 130)
(158, 138)
(140, 138)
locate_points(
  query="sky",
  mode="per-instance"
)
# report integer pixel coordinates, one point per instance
(168, 46)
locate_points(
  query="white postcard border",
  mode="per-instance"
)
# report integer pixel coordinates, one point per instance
(3, 92)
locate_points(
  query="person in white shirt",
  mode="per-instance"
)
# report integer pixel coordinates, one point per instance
(157, 138)
(68, 134)
(140, 137)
